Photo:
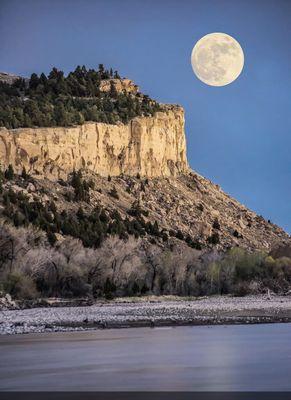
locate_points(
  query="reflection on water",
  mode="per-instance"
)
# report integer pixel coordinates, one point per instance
(256, 357)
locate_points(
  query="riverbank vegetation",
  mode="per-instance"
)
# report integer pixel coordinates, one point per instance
(30, 268)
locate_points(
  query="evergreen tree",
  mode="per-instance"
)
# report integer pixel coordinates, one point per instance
(61, 115)
(101, 69)
(24, 173)
(113, 92)
(67, 100)
(9, 173)
(34, 81)
(116, 75)
(43, 79)
(80, 213)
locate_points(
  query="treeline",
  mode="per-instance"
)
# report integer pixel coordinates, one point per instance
(59, 100)
(30, 268)
(241, 273)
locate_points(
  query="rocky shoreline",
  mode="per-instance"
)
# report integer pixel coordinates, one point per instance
(148, 312)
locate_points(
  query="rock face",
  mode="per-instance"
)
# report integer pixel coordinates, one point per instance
(121, 85)
(151, 146)
(8, 78)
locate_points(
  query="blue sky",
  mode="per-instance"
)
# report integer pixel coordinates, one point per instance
(239, 135)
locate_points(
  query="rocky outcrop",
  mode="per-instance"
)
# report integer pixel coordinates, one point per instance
(121, 85)
(6, 302)
(151, 146)
(8, 78)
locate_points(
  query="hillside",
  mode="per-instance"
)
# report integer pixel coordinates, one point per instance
(114, 209)
(116, 236)
(188, 207)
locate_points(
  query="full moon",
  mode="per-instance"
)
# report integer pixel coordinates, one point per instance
(217, 59)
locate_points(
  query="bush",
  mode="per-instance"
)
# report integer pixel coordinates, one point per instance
(63, 279)
(179, 235)
(51, 238)
(216, 224)
(242, 289)
(237, 234)
(214, 238)
(109, 289)
(71, 283)
(200, 207)
(136, 210)
(248, 266)
(20, 286)
(113, 193)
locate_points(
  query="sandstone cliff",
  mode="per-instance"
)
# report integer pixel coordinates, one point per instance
(151, 146)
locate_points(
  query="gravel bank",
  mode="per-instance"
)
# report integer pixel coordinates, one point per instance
(212, 310)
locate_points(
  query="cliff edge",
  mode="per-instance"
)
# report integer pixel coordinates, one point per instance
(151, 146)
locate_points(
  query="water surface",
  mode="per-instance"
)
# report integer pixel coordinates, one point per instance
(240, 357)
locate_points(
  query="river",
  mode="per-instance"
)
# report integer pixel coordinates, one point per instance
(216, 358)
